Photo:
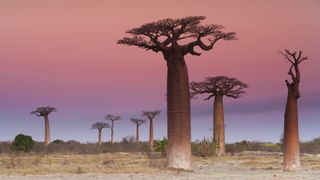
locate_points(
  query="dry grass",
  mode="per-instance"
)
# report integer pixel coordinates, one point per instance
(79, 164)
(143, 163)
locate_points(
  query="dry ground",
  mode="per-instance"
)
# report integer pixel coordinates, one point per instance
(247, 165)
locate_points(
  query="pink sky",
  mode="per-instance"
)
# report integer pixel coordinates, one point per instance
(64, 53)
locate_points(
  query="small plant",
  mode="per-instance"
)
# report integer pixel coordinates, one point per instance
(22, 143)
(204, 148)
(161, 146)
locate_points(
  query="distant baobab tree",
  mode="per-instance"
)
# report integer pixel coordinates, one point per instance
(218, 87)
(138, 122)
(291, 159)
(175, 38)
(99, 126)
(151, 115)
(44, 112)
(112, 118)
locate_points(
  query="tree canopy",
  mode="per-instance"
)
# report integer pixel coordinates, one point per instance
(167, 35)
(219, 85)
(44, 111)
(138, 122)
(112, 117)
(150, 114)
(100, 125)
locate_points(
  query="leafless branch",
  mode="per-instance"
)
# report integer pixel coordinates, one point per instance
(295, 58)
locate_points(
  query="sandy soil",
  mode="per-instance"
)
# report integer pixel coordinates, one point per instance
(138, 166)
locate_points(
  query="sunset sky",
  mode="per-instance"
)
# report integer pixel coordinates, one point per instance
(64, 53)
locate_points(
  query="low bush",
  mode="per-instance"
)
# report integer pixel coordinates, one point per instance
(22, 143)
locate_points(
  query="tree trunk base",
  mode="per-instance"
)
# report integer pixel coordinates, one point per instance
(293, 165)
(220, 153)
(179, 161)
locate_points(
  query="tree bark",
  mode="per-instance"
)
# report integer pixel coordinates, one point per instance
(99, 139)
(137, 135)
(178, 109)
(112, 125)
(291, 159)
(218, 123)
(47, 131)
(151, 135)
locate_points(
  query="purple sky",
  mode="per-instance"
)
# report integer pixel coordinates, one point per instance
(64, 54)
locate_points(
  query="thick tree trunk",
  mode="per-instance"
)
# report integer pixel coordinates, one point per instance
(99, 139)
(218, 123)
(137, 135)
(47, 131)
(178, 107)
(291, 159)
(151, 135)
(112, 125)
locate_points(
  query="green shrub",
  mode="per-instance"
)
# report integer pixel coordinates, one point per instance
(22, 143)
(57, 141)
(161, 146)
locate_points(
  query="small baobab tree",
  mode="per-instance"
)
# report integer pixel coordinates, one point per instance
(176, 38)
(151, 115)
(112, 118)
(138, 122)
(291, 159)
(218, 87)
(99, 126)
(44, 112)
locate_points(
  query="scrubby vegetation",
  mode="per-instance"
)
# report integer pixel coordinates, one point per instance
(201, 148)
(312, 147)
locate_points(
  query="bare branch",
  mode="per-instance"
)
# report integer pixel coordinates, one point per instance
(295, 58)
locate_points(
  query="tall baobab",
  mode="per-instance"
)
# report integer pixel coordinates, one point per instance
(291, 159)
(151, 115)
(112, 118)
(44, 112)
(99, 126)
(218, 87)
(138, 122)
(175, 38)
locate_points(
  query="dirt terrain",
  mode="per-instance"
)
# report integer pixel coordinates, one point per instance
(246, 165)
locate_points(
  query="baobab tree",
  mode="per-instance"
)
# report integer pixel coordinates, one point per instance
(112, 118)
(175, 38)
(291, 159)
(44, 112)
(218, 87)
(99, 126)
(138, 122)
(151, 115)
